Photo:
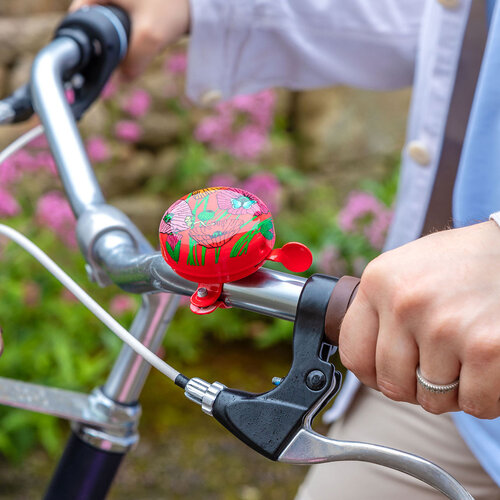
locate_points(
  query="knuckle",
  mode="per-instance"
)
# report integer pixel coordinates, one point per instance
(429, 404)
(474, 409)
(482, 348)
(393, 391)
(442, 330)
(373, 275)
(404, 303)
(147, 36)
(355, 365)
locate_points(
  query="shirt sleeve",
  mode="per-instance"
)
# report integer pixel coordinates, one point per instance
(243, 46)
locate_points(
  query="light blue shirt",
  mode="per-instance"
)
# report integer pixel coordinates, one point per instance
(477, 194)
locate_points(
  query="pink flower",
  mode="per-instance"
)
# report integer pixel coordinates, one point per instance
(109, 90)
(25, 161)
(121, 304)
(67, 296)
(45, 160)
(364, 211)
(376, 232)
(8, 204)
(54, 212)
(9, 172)
(98, 149)
(240, 126)
(31, 294)
(330, 261)
(127, 131)
(214, 129)
(70, 95)
(249, 142)
(39, 142)
(259, 106)
(267, 187)
(137, 104)
(227, 180)
(359, 206)
(176, 63)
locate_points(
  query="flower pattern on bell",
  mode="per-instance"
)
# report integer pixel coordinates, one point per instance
(200, 193)
(238, 202)
(173, 245)
(215, 234)
(179, 218)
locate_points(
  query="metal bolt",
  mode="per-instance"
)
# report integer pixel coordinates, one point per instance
(315, 380)
(277, 380)
(202, 292)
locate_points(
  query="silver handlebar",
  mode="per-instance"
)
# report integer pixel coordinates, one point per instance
(55, 113)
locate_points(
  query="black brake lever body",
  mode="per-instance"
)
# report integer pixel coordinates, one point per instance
(267, 422)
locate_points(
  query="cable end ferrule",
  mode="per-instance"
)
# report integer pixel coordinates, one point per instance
(203, 393)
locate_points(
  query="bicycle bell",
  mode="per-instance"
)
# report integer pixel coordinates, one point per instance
(220, 234)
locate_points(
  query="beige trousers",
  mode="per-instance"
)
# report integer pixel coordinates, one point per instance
(373, 418)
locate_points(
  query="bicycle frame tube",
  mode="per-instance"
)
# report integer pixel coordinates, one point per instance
(129, 372)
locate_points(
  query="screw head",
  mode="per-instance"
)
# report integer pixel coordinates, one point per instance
(202, 292)
(315, 380)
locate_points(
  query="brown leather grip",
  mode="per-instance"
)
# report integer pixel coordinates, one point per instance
(342, 296)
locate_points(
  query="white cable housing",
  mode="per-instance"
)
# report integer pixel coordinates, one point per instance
(88, 302)
(20, 142)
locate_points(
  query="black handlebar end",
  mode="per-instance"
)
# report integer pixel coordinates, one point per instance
(102, 34)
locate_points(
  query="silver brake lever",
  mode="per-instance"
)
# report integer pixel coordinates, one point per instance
(309, 447)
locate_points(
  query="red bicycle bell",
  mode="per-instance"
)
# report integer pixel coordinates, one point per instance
(216, 235)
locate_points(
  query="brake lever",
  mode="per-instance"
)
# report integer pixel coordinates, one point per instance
(277, 423)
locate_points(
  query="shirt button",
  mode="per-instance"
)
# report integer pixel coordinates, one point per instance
(210, 98)
(418, 152)
(449, 4)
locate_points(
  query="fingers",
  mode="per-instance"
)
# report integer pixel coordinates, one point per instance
(144, 45)
(396, 360)
(479, 388)
(78, 4)
(358, 339)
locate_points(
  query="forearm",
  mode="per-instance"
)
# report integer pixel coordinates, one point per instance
(242, 46)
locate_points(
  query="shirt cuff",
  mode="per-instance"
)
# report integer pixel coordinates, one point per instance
(496, 217)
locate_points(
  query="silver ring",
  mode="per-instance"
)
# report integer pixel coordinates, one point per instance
(429, 386)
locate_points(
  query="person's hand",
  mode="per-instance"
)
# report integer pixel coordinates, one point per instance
(155, 24)
(434, 302)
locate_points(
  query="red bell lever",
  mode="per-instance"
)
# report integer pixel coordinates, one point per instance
(296, 257)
